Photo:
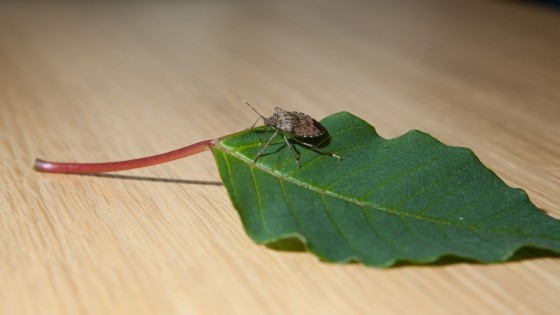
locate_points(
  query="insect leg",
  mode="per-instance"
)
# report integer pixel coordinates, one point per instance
(265, 145)
(296, 155)
(256, 121)
(315, 148)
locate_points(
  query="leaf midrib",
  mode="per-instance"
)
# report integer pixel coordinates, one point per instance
(250, 163)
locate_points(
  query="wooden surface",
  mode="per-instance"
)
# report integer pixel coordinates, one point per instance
(97, 82)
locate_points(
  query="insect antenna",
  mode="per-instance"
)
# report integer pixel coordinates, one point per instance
(260, 116)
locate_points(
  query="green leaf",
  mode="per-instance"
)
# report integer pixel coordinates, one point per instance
(408, 199)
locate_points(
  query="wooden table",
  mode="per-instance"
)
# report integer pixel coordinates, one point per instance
(108, 81)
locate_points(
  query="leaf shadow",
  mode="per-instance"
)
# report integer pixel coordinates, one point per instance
(523, 254)
(295, 245)
(157, 179)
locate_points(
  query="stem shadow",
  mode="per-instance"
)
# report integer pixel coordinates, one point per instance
(157, 179)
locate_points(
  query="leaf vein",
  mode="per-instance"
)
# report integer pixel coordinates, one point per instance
(338, 230)
(407, 171)
(433, 183)
(260, 207)
(450, 193)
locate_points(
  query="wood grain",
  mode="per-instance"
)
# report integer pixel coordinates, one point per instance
(107, 81)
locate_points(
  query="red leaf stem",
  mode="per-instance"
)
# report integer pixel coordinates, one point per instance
(88, 168)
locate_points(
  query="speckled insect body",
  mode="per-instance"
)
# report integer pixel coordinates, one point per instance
(295, 124)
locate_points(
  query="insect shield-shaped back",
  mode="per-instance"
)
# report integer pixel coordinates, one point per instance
(295, 123)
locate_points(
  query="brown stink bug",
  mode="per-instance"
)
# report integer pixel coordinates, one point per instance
(293, 124)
